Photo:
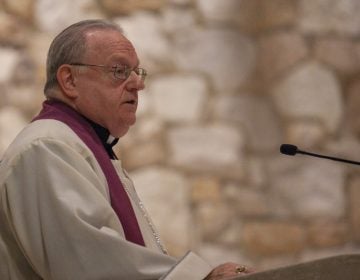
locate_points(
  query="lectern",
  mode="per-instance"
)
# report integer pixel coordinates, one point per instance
(341, 267)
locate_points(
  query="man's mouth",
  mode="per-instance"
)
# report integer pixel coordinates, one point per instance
(132, 102)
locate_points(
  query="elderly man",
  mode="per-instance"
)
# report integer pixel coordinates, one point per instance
(68, 210)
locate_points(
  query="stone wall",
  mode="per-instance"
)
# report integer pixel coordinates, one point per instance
(230, 80)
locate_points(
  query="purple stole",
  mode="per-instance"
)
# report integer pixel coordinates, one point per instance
(120, 201)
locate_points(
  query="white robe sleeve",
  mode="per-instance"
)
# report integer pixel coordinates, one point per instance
(57, 208)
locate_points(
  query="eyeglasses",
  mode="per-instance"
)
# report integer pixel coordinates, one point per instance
(120, 72)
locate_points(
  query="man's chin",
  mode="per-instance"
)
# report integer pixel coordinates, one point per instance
(120, 132)
(132, 121)
(122, 128)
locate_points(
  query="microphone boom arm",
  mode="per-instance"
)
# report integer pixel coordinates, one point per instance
(328, 157)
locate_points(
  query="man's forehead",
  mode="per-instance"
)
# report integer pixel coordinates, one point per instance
(108, 39)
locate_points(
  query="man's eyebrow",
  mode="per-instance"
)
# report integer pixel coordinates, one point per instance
(124, 60)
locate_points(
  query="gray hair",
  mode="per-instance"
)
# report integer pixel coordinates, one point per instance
(69, 46)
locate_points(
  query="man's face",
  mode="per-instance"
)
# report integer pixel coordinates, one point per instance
(102, 98)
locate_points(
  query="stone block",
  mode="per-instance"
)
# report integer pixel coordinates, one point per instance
(354, 199)
(278, 52)
(273, 238)
(9, 60)
(324, 233)
(115, 7)
(255, 114)
(311, 91)
(205, 148)
(12, 32)
(211, 219)
(308, 133)
(22, 8)
(12, 122)
(178, 98)
(352, 112)
(53, 16)
(145, 31)
(307, 188)
(226, 56)
(143, 154)
(340, 53)
(250, 15)
(165, 194)
(205, 189)
(328, 16)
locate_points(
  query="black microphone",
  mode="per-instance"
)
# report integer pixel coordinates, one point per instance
(291, 150)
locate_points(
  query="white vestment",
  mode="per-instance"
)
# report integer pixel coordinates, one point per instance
(56, 220)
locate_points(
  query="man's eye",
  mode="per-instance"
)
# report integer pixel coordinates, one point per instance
(120, 70)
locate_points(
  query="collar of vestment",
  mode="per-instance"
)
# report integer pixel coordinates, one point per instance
(106, 138)
(120, 202)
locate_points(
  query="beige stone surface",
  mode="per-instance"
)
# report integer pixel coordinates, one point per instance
(273, 238)
(338, 53)
(205, 189)
(352, 104)
(311, 91)
(279, 51)
(115, 7)
(354, 198)
(229, 82)
(24, 9)
(327, 234)
(12, 31)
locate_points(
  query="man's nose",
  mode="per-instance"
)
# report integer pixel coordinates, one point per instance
(135, 82)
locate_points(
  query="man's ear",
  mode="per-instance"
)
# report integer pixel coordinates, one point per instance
(66, 77)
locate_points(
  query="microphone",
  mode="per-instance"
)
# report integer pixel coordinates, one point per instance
(291, 150)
